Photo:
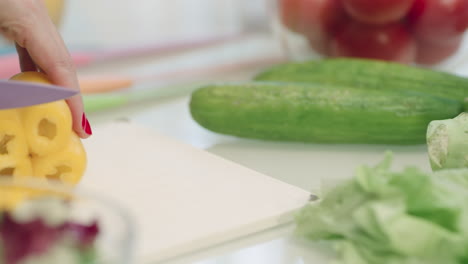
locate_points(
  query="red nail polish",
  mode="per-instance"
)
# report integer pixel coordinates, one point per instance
(83, 121)
(85, 125)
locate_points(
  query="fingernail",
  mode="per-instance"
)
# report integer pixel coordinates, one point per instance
(85, 125)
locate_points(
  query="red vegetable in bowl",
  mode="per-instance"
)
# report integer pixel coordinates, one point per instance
(406, 31)
(303, 15)
(289, 13)
(432, 53)
(34, 238)
(386, 42)
(439, 21)
(315, 19)
(20, 240)
(84, 235)
(377, 11)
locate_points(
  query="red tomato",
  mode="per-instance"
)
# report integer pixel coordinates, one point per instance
(315, 19)
(430, 53)
(328, 15)
(391, 42)
(301, 15)
(439, 21)
(378, 11)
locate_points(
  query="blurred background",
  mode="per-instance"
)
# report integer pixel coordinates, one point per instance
(158, 41)
(109, 23)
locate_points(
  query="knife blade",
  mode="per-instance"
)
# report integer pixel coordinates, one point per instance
(15, 94)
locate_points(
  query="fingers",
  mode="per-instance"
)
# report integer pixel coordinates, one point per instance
(26, 63)
(38, 41)
(51, 56)
(80, 123)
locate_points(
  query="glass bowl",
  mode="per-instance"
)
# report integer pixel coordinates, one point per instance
(314, 29)
(44, 222)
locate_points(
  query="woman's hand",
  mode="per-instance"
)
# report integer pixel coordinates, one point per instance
(40, 47)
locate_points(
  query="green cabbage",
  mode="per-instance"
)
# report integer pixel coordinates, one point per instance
(386, 217)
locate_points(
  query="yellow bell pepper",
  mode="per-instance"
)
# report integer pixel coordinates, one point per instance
(15, 167)
(11, 197)
(48, 127)
(21, 190)
(66, 165)
(38, 141)
(12, 137)
(14, 160)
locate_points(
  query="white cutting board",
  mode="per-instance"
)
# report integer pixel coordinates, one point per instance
(183, 199)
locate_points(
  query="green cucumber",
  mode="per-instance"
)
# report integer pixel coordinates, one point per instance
(370, 74)
(318, 113)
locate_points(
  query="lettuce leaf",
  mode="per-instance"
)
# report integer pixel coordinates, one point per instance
(447, 142)
(386, 217)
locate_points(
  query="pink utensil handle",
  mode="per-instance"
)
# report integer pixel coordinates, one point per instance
(165, 48)
(9, 64)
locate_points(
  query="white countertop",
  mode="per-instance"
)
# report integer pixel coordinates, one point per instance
(303, 165)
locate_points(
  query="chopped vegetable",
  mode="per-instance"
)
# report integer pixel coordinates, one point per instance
(35, 240)
(38, 140)
(447, 142)
(386, 217)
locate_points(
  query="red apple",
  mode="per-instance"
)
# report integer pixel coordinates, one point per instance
(439, 21)
(377, 11)
(391, 42)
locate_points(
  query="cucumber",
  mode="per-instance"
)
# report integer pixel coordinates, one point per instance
(371, 74)
(318, 113)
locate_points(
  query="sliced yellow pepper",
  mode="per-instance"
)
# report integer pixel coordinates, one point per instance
(38, 141)
(11, 197)
(66, 165)
(16, 167)
(20, 190)
(12, 138)
(48, 127)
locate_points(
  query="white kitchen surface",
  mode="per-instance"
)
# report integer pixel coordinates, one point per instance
(284, 250)
(183, 199)
(303, 165)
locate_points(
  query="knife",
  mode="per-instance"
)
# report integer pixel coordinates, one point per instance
(15, 94)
